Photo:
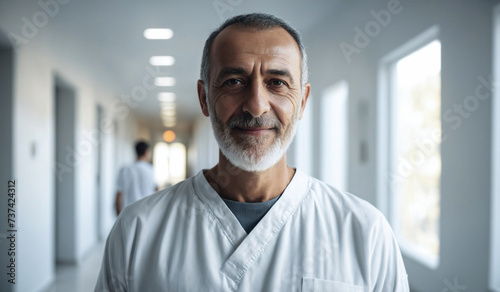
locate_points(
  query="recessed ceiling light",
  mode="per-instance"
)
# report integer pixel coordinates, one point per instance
(164, 104)
(167, 114)
(170, 107)
(162, 60)
(168, 117)
(158, 33)
(167, 103)
(169, 123)
(165, 81)
(167, 111)
(166, 96)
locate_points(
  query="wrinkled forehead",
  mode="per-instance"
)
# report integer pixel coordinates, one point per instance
(236, 42)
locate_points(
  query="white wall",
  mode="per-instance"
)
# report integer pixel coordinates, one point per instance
(34, 120)
(300, 152)
(203, 151)
(465, 33)
(109, 174)
(34, 125)
(334, 135)
(36, 64)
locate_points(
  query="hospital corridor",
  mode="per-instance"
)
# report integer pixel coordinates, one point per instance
(403, 112)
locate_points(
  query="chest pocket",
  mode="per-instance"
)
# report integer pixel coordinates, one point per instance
(316, 285)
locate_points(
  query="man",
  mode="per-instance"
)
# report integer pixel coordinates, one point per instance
(252, 223)
(135, 181)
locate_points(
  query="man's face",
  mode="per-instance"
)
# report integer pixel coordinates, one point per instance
(254, 96)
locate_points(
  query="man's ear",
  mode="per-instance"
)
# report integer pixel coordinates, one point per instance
(305, 98)
(202, 97)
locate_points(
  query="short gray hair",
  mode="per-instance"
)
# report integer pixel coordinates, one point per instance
(259, 21)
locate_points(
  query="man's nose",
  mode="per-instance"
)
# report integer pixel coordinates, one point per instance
(257, 99)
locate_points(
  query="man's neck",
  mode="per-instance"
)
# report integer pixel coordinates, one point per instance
(233, 183)
(142, 158)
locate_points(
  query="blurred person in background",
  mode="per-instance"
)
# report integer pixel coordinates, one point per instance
(135, 181)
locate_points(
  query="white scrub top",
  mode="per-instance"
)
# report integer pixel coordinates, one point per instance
(136, 181)
(314, 238)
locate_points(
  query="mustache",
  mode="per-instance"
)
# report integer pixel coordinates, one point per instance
(248, 121)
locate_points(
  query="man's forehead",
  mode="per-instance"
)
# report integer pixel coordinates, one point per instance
(237, 39)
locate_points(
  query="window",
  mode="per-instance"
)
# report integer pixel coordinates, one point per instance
(334, 139)
(169, 163)
(409, 152)
(177, 165)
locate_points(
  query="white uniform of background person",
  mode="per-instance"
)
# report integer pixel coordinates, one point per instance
(136, 181)
(314, 237)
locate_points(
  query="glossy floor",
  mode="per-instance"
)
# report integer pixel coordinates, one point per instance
(81, 278)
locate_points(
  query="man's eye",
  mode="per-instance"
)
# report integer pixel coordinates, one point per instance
(277, 82)
(232, 82)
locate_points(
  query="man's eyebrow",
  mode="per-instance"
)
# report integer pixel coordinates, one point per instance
(239, 70)
(280, 72)
(230, 71)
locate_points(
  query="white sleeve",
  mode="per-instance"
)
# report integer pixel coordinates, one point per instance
(387, 271)
(114, 275)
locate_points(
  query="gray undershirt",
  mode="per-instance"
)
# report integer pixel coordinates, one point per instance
(249, 214)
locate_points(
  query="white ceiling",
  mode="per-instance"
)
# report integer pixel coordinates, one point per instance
(113, 31)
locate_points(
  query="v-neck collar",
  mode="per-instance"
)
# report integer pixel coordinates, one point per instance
(248, 248)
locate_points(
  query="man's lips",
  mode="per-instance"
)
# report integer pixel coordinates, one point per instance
(253, 131)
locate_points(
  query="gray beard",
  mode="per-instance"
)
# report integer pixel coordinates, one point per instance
(249, 155)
